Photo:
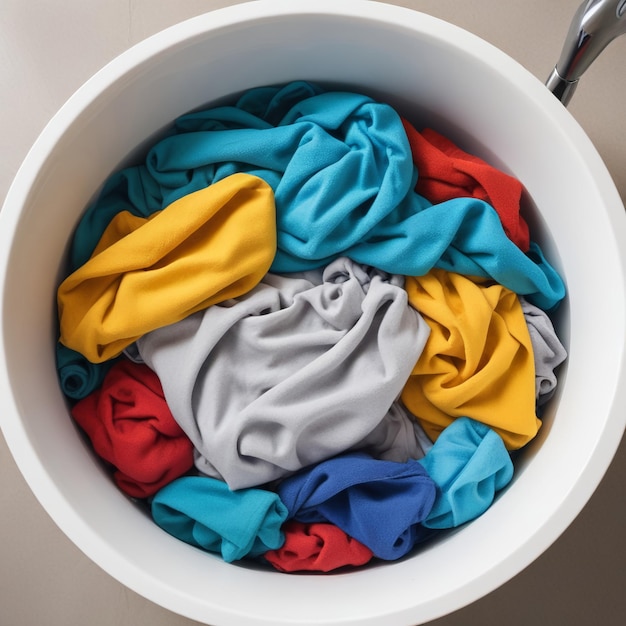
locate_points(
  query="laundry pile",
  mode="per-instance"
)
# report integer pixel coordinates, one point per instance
(306, 333)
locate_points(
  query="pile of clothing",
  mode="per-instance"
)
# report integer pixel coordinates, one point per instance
(306, 333)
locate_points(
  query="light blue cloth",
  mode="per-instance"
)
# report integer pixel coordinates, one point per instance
(342, 171)
(205, 513)
(469, 464)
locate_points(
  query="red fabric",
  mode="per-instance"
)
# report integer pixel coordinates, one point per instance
(445, 172)
(316, 547)
(131, 427)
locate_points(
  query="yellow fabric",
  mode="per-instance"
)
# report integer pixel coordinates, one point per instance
(206, 247)
(478, 361)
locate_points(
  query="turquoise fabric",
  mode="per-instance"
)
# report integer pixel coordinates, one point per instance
(205, 513)
(78, 377)
(469, 464)
(342, 171)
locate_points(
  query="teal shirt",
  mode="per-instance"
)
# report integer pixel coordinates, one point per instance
(205, 513)
(342, 172)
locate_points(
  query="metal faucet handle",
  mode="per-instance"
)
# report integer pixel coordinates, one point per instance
(594, 25)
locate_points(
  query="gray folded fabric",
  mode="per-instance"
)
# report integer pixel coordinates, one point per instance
(548, 350)
(399, 437)
(301, 368)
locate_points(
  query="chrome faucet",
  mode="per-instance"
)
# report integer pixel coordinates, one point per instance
(594, 25)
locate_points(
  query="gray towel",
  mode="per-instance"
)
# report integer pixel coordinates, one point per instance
(399, 437)
(548, 351)
(301, 368)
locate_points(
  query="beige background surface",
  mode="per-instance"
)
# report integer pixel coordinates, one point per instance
(48, 48)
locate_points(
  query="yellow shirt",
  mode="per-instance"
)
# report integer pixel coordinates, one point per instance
(478, 360)
(145, 273)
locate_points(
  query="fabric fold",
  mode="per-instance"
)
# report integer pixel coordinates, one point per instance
(447, 172)
(469, 464)
(398, 437)
(317, 548)
(131, 427)
(379, 503)
(548, 351)
(478, 361)
(78, 377)
(205, 513)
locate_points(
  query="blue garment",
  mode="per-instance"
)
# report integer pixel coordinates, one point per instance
(342, 171)
(469, 463)
(379, 503)
(325, 154)
(205, 513)
(78, 377)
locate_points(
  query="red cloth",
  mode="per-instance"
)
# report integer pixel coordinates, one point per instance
(131, 427)
(316, 547)
(445, 172)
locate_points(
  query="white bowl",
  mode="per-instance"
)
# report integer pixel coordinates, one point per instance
(433, 73)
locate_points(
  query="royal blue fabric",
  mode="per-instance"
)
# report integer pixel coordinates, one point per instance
(342, 171)
(78, 377)
(379, 503)
(204, 512)
(469, 464)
